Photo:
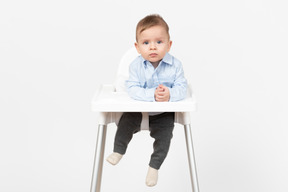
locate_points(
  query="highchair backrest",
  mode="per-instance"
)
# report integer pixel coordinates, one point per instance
(123, 69)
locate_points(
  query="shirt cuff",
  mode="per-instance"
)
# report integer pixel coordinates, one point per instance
(150, 94)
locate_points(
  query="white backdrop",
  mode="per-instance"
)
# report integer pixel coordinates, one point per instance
(55, 54)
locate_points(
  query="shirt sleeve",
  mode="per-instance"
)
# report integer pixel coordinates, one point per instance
(179, 89)
(135, 88)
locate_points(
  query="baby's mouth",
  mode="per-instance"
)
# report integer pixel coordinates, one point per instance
(153, 55)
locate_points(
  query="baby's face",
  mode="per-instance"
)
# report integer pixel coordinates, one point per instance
(153, 43)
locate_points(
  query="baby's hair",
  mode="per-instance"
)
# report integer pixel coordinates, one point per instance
(150, 21)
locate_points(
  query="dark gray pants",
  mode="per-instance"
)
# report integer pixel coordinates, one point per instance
(161, 129)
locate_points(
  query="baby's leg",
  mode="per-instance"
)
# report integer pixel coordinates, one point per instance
(128, 125)
(161, 129)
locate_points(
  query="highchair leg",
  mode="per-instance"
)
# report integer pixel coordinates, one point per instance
(98, 159)
(191, 158)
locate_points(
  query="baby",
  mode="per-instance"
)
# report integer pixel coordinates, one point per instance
(154, 76)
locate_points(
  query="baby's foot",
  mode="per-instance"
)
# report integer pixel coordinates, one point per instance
(152, 177)
(114, 158)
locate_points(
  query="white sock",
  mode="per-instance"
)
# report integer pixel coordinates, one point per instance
(114, 158)
(152, 177)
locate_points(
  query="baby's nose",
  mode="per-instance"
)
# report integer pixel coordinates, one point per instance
(152, 45)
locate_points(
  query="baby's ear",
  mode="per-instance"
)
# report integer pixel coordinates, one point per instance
(137, 47)
(170, 44)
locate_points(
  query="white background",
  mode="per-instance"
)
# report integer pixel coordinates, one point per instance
(55, 54)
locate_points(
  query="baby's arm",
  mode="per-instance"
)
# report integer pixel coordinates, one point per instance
(134, 87)
(179, 89)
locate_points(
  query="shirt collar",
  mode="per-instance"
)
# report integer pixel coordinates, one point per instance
(166, 59)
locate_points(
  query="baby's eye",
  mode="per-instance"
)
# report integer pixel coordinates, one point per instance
(159, 42)
(145, 43)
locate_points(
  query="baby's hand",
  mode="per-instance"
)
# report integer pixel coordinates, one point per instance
(162, 93)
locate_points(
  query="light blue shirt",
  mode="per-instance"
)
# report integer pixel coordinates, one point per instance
(144, 79)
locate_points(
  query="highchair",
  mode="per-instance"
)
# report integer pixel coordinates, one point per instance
(112, 100)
